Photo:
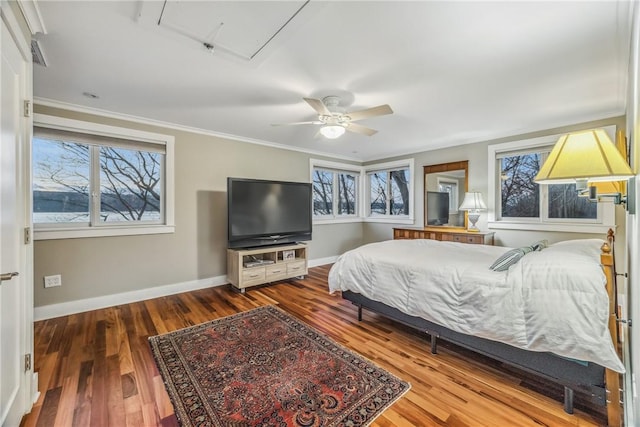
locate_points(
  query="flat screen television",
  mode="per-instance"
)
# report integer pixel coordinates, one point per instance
(262, 212)
(437, 208)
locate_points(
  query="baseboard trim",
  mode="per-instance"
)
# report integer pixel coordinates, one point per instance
(34, 388)
(322, 261)
(78, 306)
(72, 307)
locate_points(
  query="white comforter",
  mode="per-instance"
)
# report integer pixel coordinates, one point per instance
(552, 300)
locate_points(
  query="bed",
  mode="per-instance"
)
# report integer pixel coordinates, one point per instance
(550, 313)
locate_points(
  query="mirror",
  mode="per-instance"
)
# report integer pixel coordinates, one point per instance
(444, 188)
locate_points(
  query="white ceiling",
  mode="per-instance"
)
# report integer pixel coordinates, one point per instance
(453, 72)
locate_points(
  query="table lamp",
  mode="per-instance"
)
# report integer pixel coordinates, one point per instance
(473, 203)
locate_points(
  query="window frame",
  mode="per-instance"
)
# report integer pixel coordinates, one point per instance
(606, 211)
(48, 231)
(337, 168)
(336, 199)
(363, 191)
(389, 167)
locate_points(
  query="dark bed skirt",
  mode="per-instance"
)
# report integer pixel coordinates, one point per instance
(583, 376)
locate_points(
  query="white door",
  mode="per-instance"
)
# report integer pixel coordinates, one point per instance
(12, 293)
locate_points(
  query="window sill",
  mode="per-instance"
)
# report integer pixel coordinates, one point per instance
(383, 219)
(336, 220)
(567, 228)
(77, 233)
(390, 220)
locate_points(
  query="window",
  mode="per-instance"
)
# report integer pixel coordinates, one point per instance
(335, 192)
(563, 201)
(521, 203)
(95, 180)
(451, 188)
(520, 196)
(378, 192)
(346, 193)
(389, 192)
(322, 192)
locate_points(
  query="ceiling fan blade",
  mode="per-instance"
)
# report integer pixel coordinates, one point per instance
(380, 110)
(356, 128)
(319, 106)
(315, 122)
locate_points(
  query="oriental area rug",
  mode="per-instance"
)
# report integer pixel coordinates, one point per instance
(265, 368)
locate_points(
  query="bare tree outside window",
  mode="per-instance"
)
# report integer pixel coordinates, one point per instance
(389, 192)
(129, 183)
(347, 194)
(399, 192)
(326, 185)
(520, 194)
(338, 191)
(378, 193)
(564, 202)
(61, 189)
(322, 192)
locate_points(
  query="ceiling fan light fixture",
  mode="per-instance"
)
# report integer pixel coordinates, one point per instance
(332, 131)
(335, 121)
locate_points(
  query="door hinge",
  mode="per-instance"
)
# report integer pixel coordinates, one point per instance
(27, 362)
(27, 108)
(27, 235)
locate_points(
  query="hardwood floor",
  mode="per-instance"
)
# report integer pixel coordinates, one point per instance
(96, 368)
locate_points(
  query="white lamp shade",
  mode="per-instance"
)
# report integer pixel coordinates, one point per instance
(472, 201)
(332, 131)
(588, 155)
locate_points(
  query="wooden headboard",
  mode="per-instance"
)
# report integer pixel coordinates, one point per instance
(612, 378)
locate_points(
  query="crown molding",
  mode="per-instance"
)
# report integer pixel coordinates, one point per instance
(515, 134)
(445, 143)
(168, 125)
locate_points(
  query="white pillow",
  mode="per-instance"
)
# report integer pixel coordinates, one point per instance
(588, 247)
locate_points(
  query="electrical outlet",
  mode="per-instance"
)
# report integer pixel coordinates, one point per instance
(52, 281)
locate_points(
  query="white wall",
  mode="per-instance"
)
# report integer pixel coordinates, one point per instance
(632, 383)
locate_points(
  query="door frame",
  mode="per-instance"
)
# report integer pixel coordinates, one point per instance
(11, 16)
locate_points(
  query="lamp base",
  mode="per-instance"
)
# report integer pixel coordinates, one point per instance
(473, 218)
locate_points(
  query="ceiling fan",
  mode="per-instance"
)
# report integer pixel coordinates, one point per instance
(335, 120)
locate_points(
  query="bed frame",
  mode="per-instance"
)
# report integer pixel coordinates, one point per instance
(600, 384)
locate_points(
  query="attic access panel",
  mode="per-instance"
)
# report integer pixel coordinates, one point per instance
(240, 28)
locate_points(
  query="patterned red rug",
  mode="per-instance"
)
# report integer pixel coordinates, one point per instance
(265, 368)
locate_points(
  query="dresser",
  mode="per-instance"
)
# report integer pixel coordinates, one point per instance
(444, 234)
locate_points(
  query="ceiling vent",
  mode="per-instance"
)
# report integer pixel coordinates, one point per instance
(36, 53)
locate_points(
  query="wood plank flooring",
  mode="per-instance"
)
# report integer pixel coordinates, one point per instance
(96, 368)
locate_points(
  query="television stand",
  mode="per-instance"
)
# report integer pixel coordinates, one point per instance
(257, 266)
